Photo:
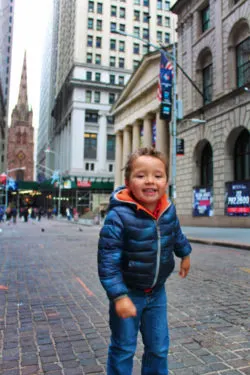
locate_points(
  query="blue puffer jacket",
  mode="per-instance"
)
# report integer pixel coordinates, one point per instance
(135, 250)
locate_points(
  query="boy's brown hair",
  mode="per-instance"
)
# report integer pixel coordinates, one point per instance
(144, 151)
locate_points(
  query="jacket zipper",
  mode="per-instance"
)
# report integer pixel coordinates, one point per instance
(158, 257)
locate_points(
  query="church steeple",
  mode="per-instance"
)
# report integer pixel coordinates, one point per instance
(22, 104)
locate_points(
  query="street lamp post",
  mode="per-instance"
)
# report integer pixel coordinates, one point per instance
(6, 186)
(48, 150)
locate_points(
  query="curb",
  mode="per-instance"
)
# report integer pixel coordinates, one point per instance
(234, 245)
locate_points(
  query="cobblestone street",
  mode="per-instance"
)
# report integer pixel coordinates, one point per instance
(54, 312)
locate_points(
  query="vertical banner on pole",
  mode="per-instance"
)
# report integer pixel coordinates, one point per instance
(164, 90)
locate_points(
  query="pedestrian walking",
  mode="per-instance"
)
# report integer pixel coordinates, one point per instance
(14, 214)
(137, 244)
(8, 214)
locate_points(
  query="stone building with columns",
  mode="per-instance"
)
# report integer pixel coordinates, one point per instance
(213, 175)
(137, 115)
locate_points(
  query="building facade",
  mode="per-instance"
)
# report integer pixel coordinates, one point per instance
(213, 177)
(213, 174)
(6, 37)
(94, 64)
(21, 135)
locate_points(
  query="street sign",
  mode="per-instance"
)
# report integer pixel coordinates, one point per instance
(179, 146)
(165, 111)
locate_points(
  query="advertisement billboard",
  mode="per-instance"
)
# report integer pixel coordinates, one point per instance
(202, 201)
(237, 198)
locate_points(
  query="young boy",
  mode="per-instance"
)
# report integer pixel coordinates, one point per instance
(140, 236)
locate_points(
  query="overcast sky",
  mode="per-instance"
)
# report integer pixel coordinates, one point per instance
(30, 19)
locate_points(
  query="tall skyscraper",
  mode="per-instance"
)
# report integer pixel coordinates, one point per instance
(94, 63)
(6, 37)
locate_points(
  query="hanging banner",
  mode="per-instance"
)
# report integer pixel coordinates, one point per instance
(202, 201)
(179, 146)
(237, 198)
(154, 133)
(164, 90)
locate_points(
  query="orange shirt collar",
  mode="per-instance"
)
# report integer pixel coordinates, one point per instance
(163, 203)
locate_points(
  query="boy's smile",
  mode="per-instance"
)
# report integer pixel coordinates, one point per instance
(148, 181)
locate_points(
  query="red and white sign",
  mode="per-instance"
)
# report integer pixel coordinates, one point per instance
(83, 184)
(3, 178)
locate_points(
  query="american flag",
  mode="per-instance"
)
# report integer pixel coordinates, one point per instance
(165, 75)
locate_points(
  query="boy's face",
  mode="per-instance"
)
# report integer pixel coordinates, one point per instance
(148, 181)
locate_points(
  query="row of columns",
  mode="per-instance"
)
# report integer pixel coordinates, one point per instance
(129, 139)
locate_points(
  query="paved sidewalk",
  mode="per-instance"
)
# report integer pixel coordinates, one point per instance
(229, 237)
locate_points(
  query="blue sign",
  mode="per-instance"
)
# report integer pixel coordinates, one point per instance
(202, 201)
(237, 198)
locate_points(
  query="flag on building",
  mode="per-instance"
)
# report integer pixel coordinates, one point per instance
(164, 89)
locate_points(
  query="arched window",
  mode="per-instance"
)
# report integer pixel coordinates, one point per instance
(242, 156)
(207, 166)
(204, 76)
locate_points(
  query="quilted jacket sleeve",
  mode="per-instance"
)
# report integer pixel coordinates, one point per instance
(182, 246)
(110, 256)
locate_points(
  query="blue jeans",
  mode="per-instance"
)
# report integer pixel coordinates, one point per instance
(152, 321)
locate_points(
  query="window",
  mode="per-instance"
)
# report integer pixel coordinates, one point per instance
(242, 156)
(99, 8)
(122, 27)
(98, 42)
(90, 41)
(167, 38)
(99, 25)
(136, 15)
(159, 36)
(110, 120)
(89, 58)
(98, 77)
(121, 62)
(97, 97)
(89, 76)
(113, 26)
(91, 117)
(167, 5)
(113, 11)
(111, 147)
(121, 80)
(145, 49)
(90, 145)
(88, 96)
(159, 20)
(136, 49)
(90, 23)
(207, 83)
(136, 2)
(145, 17)
(98, 59)
(112, 61)
(111, 98)
(121, 46)
(145, 34)
(243, 62)
(137, 31)
(205, 19)
(110, 167)
(146, 3)
(207, 166)
(91, 6)
(112, 79)
(167, 21)
(113, 44)
(135, 64)
(159, 4)
(122, 13)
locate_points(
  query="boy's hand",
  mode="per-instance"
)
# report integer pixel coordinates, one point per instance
(125, 308)
(184, 266)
